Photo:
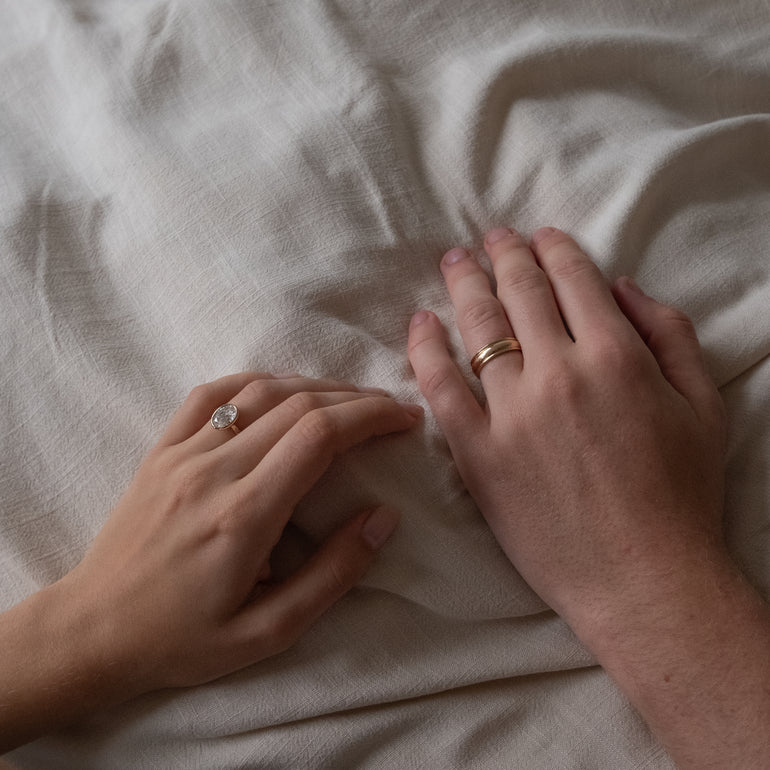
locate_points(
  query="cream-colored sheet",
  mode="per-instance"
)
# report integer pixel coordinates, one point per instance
(194, 188)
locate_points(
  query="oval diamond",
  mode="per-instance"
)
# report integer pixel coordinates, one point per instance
(225, 416)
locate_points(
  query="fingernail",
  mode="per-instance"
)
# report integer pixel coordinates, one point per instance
(542, 233)
(633, 286)
(379, 527)
(498, 234)
(454, 256)
(414, 409)
(419, 317)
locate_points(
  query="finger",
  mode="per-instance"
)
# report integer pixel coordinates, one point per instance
(285, 612)
(525, 292)
(297, 461)
(481, 318)
(583, 295)
(242, 453)
(257, 398)
(671, 337)
(202, 401)
(438, 377)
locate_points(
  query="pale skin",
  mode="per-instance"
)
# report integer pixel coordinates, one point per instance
(172, 592)
(597, 458)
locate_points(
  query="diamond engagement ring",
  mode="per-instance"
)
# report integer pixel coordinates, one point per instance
(493, 350)
(224, 417)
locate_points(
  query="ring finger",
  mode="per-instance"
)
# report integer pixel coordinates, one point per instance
(481, 318)
(257, 398)
(244, 452)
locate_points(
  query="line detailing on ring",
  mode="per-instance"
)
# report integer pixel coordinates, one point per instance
(493, 350)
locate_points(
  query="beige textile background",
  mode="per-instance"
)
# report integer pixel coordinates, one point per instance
(189, 189)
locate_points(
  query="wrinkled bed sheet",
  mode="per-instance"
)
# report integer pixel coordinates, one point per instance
(189, 189)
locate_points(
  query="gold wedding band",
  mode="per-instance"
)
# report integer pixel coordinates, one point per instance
(224, 417)
(493, 350)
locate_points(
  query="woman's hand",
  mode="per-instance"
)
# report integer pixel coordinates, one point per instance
(598, 457)
(177, 563)
(170, 593)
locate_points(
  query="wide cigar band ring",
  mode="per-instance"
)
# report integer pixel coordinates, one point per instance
(493, 350)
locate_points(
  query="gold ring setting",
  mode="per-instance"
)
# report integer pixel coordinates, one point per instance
(493, 350)
(224, 417)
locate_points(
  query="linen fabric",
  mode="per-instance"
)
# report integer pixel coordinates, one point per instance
(189, 189)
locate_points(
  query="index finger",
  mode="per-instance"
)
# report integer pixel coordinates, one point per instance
(439, 378)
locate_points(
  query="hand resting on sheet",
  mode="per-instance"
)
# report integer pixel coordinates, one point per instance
(597, 459)
(172, 592)
(598, 462)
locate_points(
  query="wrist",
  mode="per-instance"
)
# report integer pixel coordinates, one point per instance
(652, 583)
(93, 644)
(688, 647)
(56, 667)
(656, 594)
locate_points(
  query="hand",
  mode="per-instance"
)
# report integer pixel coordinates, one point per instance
(598, 457)
(173, 580)
(598, 461)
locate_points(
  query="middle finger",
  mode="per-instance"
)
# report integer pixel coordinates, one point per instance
(525, 292)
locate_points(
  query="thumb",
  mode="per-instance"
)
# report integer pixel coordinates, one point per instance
(671, 337)
(283, 614)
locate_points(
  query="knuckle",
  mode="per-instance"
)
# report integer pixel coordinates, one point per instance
(163, 462)
(418, 343)
(194, 475)
(256, 390)
(620, 362)
(523, 280)
(564, 385)
(338, 578)
(482, 314)
(678, 320)
(612, 354)
(672, 323)
(299, 404)
(230, 516)
(572, 264)
(435, 382)
(317, 427)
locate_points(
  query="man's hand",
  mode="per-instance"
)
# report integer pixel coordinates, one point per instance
(598, 461)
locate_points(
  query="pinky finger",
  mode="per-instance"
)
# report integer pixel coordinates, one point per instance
(671, 337)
